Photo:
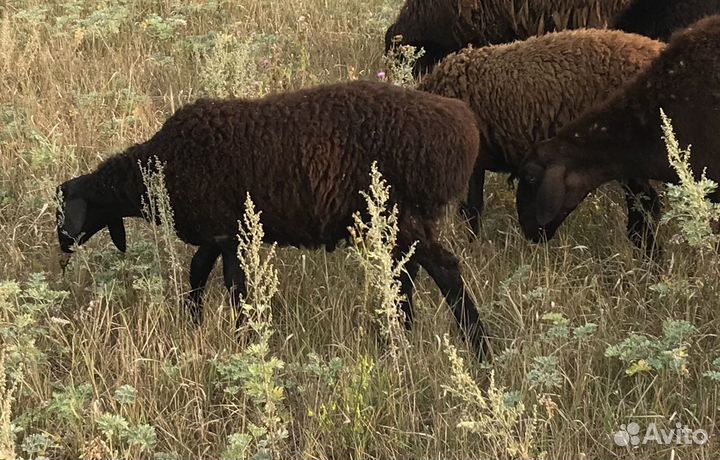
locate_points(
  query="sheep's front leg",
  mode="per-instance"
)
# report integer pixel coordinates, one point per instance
(473, 207)
(444, 268)
(200, 267)
(643, 206)
(234, 279)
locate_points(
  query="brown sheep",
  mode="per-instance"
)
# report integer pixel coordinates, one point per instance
(303, 157)
(442, 27)
(523, 92)
(622, 137)
(660, 18)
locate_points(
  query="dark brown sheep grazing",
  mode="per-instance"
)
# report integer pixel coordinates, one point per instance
(622, 137)
(660, 18)
(442, 27)
(303, 157)
(523, 92)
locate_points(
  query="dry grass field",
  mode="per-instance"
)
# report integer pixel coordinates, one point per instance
(99, 362)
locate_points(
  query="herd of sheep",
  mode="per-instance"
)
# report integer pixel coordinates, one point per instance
(564, 111)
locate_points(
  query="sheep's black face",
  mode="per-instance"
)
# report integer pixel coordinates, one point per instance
(527, 205)
(65, 239)
(551, 186)
(434, 38)
(540, 198)
(69, 235)
(80, 215)
(392, 38)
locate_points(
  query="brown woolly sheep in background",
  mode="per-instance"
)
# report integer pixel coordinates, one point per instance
(523, 92)
(442, 27)
(303, 157)
(622, 137)
(660, 18)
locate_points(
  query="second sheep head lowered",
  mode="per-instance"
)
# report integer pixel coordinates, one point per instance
(551, 185)
(85, 207)
(621, 138)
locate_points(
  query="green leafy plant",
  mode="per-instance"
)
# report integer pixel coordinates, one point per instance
(125, 394)
(26, 313)
(34, 15)
(157, 208)
(7, 434)
(255, 371)
(103, 23)
(47, 151)
(234, 67)
(350, 410)
(688, 203)
(374, 247)
(328, 372)
(37, 446)
(643, 353)
(69, 402)
(560, 326)
(544, 374)
(400, 61)
(499, 415)
(585, 331)
(163, 28)
(123, 439)
(714, 373)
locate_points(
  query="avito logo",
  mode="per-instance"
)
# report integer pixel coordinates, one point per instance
(630, 435)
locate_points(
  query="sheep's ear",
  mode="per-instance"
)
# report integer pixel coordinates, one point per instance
(117, 234)
(75, 213)
(551, 194)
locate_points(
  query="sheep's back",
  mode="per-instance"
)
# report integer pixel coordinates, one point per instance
(684, 82)
(660, 18)
(305, 156)
(524, 92)
(497, 21)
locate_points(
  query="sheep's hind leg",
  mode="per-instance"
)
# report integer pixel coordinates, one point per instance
(200, 267)
(472, 208)
(643, 206)
(234, 279)
(444, 268)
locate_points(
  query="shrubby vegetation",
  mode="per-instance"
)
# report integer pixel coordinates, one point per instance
(99, 362)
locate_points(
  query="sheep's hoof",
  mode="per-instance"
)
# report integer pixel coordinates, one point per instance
(539, 236)
(64, 260)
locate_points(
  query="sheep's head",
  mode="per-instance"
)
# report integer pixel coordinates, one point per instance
(84, 209)
(428, 26)
(432, 52)
(552, 183)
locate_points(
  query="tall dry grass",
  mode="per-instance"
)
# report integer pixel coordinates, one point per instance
(588, 336)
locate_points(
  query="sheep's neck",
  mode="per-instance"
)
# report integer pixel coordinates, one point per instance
(119, 180)
(621, 141)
